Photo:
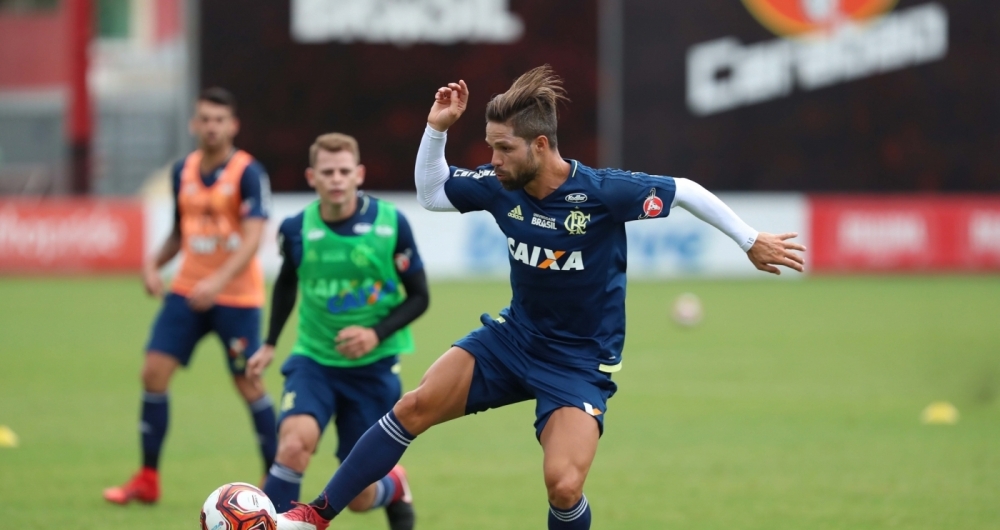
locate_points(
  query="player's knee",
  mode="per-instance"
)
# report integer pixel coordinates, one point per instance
(154, 378)
(251, 389)
(565, 489)
(413, 412)
(407, 409)
(294, 451)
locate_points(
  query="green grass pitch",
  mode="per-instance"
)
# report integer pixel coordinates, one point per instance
(795, 405)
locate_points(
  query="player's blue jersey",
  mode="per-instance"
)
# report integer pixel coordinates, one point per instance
(567, 255)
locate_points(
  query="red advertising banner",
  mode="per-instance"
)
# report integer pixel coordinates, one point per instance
(70, 235)
(893, 233)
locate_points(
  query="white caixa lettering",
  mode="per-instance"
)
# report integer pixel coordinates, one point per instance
(544, 258)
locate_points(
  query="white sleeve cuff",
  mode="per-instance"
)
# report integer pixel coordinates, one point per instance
(434, 133)
(706, 206)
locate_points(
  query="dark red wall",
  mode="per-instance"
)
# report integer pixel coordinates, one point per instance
(289, 93)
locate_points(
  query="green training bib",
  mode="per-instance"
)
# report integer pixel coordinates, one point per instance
(348, 281)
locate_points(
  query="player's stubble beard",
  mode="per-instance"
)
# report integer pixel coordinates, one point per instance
(519, 178)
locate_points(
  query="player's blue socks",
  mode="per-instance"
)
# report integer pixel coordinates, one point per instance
(385, 492)
(267, 429)
(153, 426)
(372, 458)
(282, 486)
(575, 518)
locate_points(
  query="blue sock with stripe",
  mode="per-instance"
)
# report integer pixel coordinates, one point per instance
(266, 426)
(282, 486)
(575, 518)
(372, 458)
(385, 491)
(153, 426)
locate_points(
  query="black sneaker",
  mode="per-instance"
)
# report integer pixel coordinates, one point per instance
(401, 515)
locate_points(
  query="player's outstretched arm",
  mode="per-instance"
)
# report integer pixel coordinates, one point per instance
(450, 103)
(764, 250)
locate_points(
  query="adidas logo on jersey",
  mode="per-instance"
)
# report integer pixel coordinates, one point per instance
(544, 258)
(516, 213)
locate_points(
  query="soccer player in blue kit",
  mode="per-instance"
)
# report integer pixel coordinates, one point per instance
(561, 338)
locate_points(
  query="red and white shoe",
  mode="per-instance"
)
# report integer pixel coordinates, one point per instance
(399, 474)
(301, 517)
(143, 487)
(400, 511)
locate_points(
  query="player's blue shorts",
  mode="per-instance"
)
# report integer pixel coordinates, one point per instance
(506, 374)
(356, 397)
(178, 328)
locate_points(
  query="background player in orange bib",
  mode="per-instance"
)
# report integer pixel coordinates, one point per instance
(221, 197)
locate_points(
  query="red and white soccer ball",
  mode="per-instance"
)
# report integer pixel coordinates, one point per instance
(238, 506)
(687, 310)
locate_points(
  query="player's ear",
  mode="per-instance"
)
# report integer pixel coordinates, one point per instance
(236, 126)
(540, 145)
(311, 177)
(360, 174)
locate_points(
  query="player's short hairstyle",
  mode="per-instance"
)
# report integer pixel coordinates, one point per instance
(219, 96)
(529, 105)
(334, 142)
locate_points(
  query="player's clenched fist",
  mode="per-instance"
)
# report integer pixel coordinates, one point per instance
(355, 342)
(449, 104)
(770, 250)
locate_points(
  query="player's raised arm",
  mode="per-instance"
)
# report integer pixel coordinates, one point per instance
(764, 250)
(431, 171)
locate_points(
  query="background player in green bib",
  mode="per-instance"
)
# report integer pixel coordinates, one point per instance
(354, 261)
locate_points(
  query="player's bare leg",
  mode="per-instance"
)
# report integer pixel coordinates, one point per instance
(157, 370)
(569, 441)
(298, 437)
(440, 397)
(297, 440)
(250, 389)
